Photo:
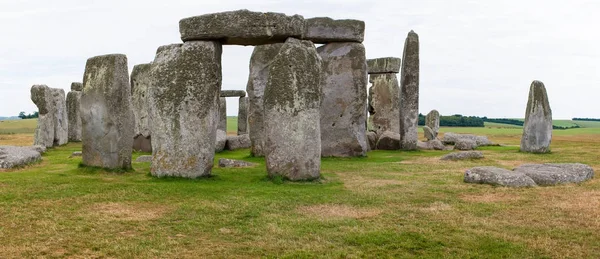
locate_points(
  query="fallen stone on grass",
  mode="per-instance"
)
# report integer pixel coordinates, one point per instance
(553, 174)
(75, 154)
(451, 138)
(434, 144)
(497, 176)
(463, 155)
(389, 140)
(38, 148)
(465, 144)
(224, 162)
(238, 142)
(144, 159)
(11, 156)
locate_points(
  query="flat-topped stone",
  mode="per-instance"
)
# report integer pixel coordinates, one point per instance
(76, 86)
(497, 176)
(233, 93)
(224, 162)
(553, 174)
(242, 27)
(327, 30)
(463, 155)
(11, 156)
(383, 65)
(237, 142)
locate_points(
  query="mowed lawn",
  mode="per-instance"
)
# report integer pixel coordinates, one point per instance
(389, 204)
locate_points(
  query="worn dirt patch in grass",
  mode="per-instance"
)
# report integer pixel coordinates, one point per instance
(491, 197)
(336, 211)
(360, 183)
(129, 211)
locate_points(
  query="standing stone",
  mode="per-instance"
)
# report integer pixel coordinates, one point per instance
(74, 114)
(384, 106)
(537, 129)
(260, 62)
(243, 116)
(76, 86)
(432, 120)
(140, 81)
(106, 113)
(292, 112)
(61, 118)
(43, 99)
(184, 107)
(222, 114)
(344, 101)
(428, 132)
(409, 93)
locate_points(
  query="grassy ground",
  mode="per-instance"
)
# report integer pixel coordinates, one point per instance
(390, 204)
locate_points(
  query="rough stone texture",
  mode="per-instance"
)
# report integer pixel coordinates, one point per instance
(74, 115)
(38, 148)
(553, 174)
(389, 140)
(106, 113)
(224, 162)
(497, 176)
(220, 140)
(242, 27)
(432, 120)
(184, 107)
(450, 138)
(11, 156)
(465, 144)
(384, 103)
(384, 65)
(76, 154)
(237, 142)
(372, 139)
(61, 117)
(242, 116)
(463, 155)
(428, 132)
(344, 100)
(260, 62)
(292, 112)
(233, 93)
(140, 81)
(327, 30)
(409, 93)
(537, 128)
(222, 114)
(44, 133)
(76, 86)
(144, 159)
(434, 144)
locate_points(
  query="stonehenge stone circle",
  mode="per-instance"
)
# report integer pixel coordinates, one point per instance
(184, 107)
(222, 114)
(140, 81)
(242, 116)
(384, 105)
(344, 100)
(74, 113)
(233, 93)
(260, 62)
(537, 129)
(432, 120)
(409, 93)
(327, 30)
(292, 102)
(388, 65)
(106, 113)
(41, 96)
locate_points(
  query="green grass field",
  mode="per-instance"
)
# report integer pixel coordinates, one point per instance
(391, 204)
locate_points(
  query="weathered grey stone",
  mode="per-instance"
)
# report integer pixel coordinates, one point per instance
(432, 120)
(222, 114)
(11, 156)
(224, 162)
(465, 144)
(409, 93)
(292, 112)
(44, 133)
(220, 140)
(553, 174)
(384, 103)
(61, 124)
(463, 155)
(76, 86)
(242, 27)
(428, 132)
(434, 144)
(106, 113)
(38, 148)
(344, 100)
(384, 65)
(140, 81)
(233, 93)
(260, 62)
(450, 138)
(372, 139)
(74, 115)
(237, 142)
(497, 176)
(327, 30)
(389, 140)
(144, 159)
(184, 108)
(76, 154)
(537, 128)
(242, 116)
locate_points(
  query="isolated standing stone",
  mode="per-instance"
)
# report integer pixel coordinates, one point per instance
(344, 100)
(140, 81)
(260, 62)
(242, 116)
(184, 107)
(409, 93)
(106, 113)
(384, 106)
(44, 133)
(292, 112)
(61, 123)
(432, 120)
(327, 30)
(537, 129)
(74, 115)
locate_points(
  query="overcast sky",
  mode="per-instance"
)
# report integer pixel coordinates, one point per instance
(477, 57)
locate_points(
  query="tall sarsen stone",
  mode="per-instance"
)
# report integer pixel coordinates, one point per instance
(384, 103)
(409, 93)
(140, 81)
(242, 116)
(74, 114)
(537, 128)
(41, 96)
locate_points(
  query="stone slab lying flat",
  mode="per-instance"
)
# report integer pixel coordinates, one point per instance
(463, 155)
(11, 156)
(233, 93)
(383, 65)
(224, 162)
(242, 27)
(327, 30)
(451, 138)
(553, 174)
(238, 142)
(497, 176)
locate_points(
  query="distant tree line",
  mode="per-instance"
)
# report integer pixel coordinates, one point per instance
(520, 123)
(33, 115)
(585, 119)
(456, 120)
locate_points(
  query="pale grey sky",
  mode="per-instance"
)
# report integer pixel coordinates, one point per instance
(477, 57)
